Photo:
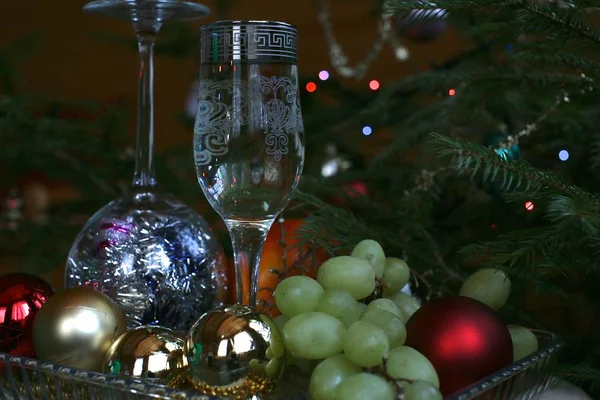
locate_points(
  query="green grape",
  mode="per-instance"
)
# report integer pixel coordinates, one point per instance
(305, 366)
(329, 374)
(407, 305)
(352, 274)
(363, 308)
(524, 341)
(365, 344)
(341, 304)
(273, 368)
(365, 386)
(280, 321)
(406, 362)
(297, 295)
(489, 285)
(421, 390)
(371, 251)
(395, 274)
(386, 305)
(392, 325)
(313, 336)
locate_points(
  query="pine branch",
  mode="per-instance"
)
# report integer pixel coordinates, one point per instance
(516, 175)
(579, 374)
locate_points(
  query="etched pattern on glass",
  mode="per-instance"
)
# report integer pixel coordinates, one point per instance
(253, 41)
(279, 116)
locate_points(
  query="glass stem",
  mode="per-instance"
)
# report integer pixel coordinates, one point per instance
(248, 239)
(144, 169)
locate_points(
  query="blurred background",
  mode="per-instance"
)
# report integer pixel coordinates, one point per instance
(79, 57)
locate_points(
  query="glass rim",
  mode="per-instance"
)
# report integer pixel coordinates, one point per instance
(248, 22)
(248, 41)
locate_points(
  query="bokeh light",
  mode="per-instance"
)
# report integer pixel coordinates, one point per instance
(374, 84)
(311, 87)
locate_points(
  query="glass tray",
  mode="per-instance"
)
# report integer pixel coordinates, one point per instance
(26, 379)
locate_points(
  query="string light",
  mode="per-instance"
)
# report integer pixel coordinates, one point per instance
(311, 87)
(374, 84)
(529, 206)
(367, 130)
(563, 155)
(323, 75)
(451, 92)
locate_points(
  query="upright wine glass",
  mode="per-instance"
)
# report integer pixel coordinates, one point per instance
(152, 254)
(248, 133)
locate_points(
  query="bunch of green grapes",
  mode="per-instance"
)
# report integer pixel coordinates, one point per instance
(358, 344)
(352, 342)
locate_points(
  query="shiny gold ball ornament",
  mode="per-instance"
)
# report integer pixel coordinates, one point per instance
(235, 352)
(76, 328)
(149, 352)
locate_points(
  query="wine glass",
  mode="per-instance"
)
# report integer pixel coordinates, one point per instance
(248, 133)
(156, 257)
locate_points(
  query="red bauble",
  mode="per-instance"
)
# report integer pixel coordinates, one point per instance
(464, 339)
(21, 296)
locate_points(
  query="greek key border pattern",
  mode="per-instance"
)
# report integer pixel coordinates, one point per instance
(250, 42)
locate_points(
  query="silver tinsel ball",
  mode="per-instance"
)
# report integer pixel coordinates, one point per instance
(155, 257)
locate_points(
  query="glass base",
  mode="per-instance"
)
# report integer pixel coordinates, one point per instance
(133, 10)
(156, 257)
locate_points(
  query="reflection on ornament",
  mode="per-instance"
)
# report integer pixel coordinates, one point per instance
(235, 352)
(148, 352)
(76, 328)
(21, 296)
(420, 24)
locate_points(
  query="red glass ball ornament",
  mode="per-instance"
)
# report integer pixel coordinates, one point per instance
(464, 339)
(21, 296)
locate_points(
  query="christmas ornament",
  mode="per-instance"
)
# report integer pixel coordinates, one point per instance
(36, 200)
(334, 162)
(12, 211)
(162, 268)
(420, 24)
(21, 296)
(148, 352)
(235, 352)
(282, 256)
(464, 339)
(76, 328)
(495, 141)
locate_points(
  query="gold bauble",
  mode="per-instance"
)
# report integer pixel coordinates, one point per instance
(235, 352)
(76, 328)
(149, 352)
